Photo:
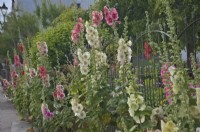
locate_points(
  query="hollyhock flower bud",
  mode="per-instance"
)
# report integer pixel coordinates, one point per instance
(21, 47)
(22, 72)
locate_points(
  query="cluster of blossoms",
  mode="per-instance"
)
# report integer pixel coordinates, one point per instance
(147, 51)
(42, 48)
(32, 73)
(14, 77)
(157, 115)
(47, 114)
(78, 28)
(21, 47)
(78, 109)
(6, 84)
(97, 18)
(124, 51)
(100, 58)
(165, 75)
(92, 36)
(169, 127)
(111, 15)
(84, 61)
(59, 92)
(17, 61)
(135, 103)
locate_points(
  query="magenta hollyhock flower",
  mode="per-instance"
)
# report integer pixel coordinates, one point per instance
(47, 114)
(109, 20)
(106, 11)
(111, 16)
(97, 18)
(59, 92)
(17, 60)
(42, 72)
(114, 14)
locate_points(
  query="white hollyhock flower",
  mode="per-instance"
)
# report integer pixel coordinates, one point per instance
(198, 129)
(81, 115)
(84, 69)
(129, 43)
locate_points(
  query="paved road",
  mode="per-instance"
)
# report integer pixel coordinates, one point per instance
(8, 113)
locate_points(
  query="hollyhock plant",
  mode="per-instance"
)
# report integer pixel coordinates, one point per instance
(59, 92)
(42, 71)
(165, 73)
(78, 28)
(17, 61)
(97, 18)
(47, 114)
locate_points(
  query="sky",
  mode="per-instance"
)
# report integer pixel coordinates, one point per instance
(8, 3)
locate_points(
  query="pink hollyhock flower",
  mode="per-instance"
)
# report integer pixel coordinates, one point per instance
(75, 35)
(46, 81)
(114, 14)
(6, 84)
(42, 72)
(75, 62)
(32, 72)
(109, 20)
(14, 83)
(47, 114)
(21, 47)
(97, 18)
(14, 75)
(42, 48)
(59, 92)
(17, 60)
(111, 16)
(78, 28)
